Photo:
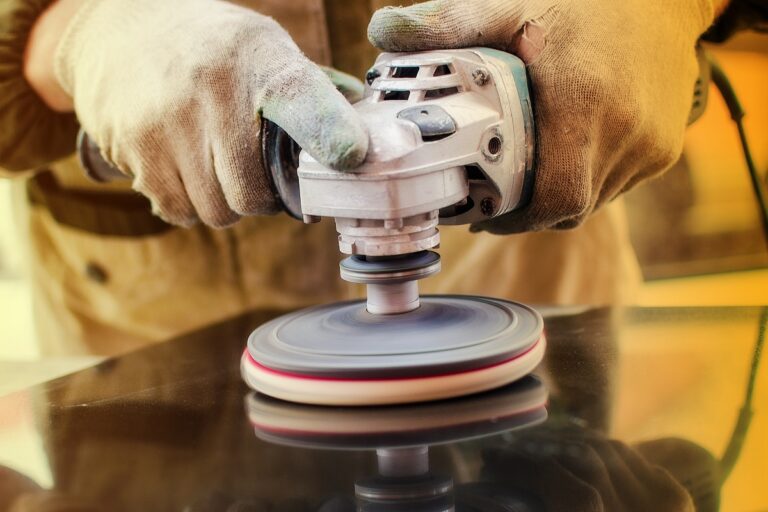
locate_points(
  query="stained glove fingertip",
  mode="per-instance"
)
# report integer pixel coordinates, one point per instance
(348, 152)
(392, 29)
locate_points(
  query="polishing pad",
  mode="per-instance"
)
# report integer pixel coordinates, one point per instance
(341, 354)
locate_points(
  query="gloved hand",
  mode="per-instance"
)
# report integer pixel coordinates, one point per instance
(612, 84)
(173, 93)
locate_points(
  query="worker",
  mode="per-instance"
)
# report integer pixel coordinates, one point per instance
(175, 92)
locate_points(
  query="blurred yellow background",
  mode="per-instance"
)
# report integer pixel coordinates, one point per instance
(688, 379)
(722, 220)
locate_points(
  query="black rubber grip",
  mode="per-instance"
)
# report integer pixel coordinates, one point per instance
(93, 162)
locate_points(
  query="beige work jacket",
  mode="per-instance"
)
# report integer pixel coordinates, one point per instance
(108, 295)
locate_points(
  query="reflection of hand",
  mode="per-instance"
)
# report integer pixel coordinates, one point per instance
(612, 85)
(12, 485)
(585, 472)
(173, 93)
(19, 493)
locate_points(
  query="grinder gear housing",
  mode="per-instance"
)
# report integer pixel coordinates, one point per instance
(451, 141)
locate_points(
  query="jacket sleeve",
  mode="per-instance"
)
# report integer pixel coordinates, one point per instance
(739, 15)
(31, 134)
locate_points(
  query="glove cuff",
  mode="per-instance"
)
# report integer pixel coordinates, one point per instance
(69, 47)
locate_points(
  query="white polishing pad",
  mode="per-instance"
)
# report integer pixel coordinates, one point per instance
(333, 391)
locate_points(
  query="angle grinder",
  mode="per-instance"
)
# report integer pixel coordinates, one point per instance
(451, 142)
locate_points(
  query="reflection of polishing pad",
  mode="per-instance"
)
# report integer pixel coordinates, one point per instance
(340, 354)
(517, 405)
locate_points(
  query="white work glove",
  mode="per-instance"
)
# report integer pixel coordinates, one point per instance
(612, 85)
(173, 92)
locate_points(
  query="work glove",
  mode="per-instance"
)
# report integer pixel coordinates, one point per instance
(174, 92)
(612, 85)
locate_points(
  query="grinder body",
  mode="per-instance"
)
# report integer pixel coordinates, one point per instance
(451, 141)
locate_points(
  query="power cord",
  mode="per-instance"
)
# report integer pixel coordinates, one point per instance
(739, 435)
(737, 114)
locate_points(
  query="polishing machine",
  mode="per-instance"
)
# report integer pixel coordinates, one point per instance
(451, 141)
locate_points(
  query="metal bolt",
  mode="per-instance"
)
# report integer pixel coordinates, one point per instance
(488, 206)
(480, 76)
(372, 75)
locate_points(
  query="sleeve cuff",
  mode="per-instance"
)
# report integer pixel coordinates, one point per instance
(31, 134)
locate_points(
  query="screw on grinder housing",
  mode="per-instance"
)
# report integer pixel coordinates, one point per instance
(450, 142)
